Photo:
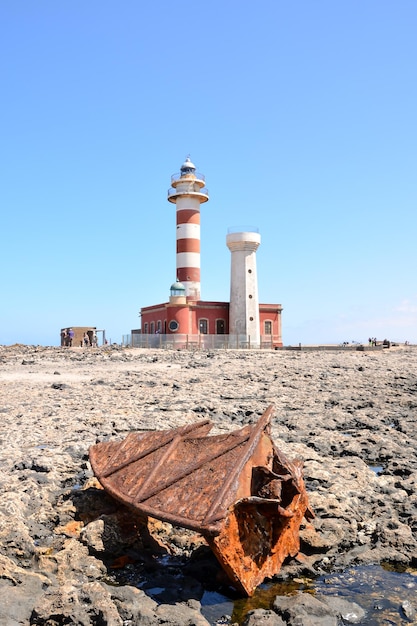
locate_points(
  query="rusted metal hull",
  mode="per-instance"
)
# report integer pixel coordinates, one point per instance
(258, 535)
(237, 490)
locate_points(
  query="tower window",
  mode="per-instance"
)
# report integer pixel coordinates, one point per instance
(250, 295)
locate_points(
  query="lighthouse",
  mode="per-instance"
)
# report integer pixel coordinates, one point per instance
(186, 321)
(188, 191)
(244, 300)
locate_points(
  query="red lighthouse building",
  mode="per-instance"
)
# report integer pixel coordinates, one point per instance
(186, 320)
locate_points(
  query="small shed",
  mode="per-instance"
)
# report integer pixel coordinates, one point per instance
(73, 336)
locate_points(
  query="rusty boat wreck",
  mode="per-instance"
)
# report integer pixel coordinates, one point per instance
(236, 489)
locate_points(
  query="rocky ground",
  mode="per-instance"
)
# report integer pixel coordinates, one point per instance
(71, 555)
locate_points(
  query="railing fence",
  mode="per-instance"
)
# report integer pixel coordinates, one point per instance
(199, 342)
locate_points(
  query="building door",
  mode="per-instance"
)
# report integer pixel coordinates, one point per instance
(219, 327)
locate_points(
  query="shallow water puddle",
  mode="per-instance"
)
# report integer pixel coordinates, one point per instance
(384, 594)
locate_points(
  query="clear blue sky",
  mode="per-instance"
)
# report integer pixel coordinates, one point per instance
(302, 116)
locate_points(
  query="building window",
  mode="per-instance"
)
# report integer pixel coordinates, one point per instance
(173, 326)
(158, 326)
(152, 328)
(203, 326)
(145, 329)
(268, 328)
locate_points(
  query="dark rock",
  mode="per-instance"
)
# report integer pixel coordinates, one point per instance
(308, 610)
(184, 614)
(81, 606)
(133, 605)
(106, 535)
(408, 610)
(262, 617)
(16, 542)
(74, 563)
(304, 610)
(349, 612)
(19, 590)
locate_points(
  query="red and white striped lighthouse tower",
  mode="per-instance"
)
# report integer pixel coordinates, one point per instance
(188, 192)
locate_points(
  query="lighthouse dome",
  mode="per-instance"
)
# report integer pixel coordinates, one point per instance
(177, 289)
(187, 167)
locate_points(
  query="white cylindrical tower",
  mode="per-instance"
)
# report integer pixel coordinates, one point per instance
(188, 192)
(244, 300)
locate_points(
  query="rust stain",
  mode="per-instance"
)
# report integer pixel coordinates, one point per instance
(72, 529)
(121, 562)
(237, 490)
